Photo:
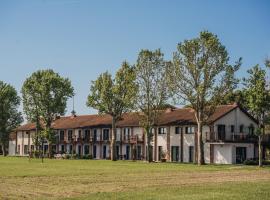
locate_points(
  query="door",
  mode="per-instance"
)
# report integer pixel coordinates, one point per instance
(160, 152)
(104, 152)
(95, 151)
(86, 149)
(175, 153)
(191, 154)
(117, 152)
(221, 132)
(127, 152)
(79, 150)
(241, 153)
(139, 152)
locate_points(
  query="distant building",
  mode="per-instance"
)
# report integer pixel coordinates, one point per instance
(228, 137)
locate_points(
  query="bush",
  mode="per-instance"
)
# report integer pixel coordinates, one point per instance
(67, 156)
(256, 162)
(88, 156)
(250, 162)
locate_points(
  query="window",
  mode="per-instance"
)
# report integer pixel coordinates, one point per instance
(87, 134)
(178, 130)
(86, 149)
(241, 128)
(251, 130)
(221, 129)
(70, 135)
(161, 130)
(80, 134)
(95, 135)
(25, 150)
(70, 148)
(232, 128)
(126, 133)
(190, 129)
(62, 148)
(105, 134)
(18, 149)
(62, 135)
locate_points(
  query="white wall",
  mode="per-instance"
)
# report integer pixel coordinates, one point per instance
(12, 147)
(222, 153)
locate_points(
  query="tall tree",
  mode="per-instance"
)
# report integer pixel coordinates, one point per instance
(10, 117)
(200, 75)
(152, 73)
(45, 94)
(258, 100)
(114, 97)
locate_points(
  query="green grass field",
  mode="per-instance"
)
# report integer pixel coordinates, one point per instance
(99, 179)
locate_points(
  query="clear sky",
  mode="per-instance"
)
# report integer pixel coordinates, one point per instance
(81, 39)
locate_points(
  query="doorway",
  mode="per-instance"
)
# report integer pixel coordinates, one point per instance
(241, 154)
(191, 154)
(175, 153)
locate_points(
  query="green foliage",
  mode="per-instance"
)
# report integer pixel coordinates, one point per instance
(10, 117)
(200, 76)
(45, 94)
(257, 93)
(152, 80)
(114, 96)
(200, 73)
(258, 100)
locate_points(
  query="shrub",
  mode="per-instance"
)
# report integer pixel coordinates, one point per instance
(67, 156)
(250, 162)
(256, 162)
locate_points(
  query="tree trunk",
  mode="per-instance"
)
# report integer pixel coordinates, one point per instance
(200, 144)
(113, 141)
(4, 149)
(42, 155)
(150, 148)
(260, 150)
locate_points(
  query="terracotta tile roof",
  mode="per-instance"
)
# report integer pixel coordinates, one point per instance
(176, 116)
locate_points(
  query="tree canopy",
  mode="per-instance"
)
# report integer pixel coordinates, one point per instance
(152, 78)
(200, 75)
(45, 94)
(10, 117)
(114, 96)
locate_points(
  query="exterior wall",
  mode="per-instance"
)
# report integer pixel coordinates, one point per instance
(223, 153)
(226, 153)
(188, 140)
(12, 148)
(236, 118)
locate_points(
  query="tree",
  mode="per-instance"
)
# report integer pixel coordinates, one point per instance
(258, 101)
(200, 75)
(10, 117)
(45, 94)
(114, 97)
(152, 74)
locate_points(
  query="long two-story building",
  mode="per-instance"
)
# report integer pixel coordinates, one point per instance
(228, 137)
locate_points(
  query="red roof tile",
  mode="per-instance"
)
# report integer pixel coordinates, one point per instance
(176, 116)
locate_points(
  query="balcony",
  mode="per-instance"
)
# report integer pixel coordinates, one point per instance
(216, 137)
(133, 139)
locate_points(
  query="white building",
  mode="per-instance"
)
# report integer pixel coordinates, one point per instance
(228, 136)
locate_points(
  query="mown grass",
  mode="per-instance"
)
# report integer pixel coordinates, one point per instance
(99, 179)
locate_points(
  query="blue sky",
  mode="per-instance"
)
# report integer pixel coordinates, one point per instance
(81, 39)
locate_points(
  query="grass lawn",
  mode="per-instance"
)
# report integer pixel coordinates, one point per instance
(99, 179)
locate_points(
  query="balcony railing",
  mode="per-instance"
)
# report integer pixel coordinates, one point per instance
(230, 137)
